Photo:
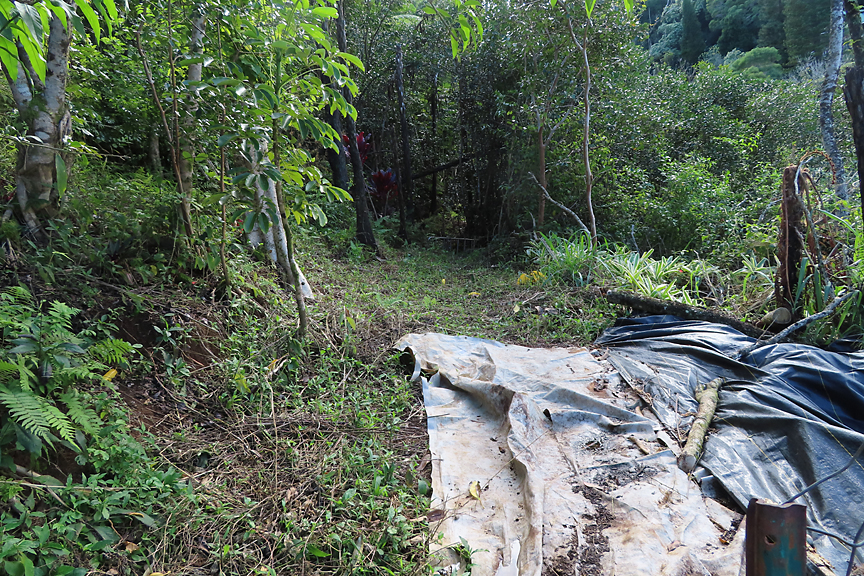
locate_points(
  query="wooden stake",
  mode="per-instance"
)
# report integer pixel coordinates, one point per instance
(707, 398)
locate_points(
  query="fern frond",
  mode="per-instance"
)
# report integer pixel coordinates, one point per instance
(110, 350)
(28, 410)
(82, 415)
(17, 294)
(7, 370)
(59, 422)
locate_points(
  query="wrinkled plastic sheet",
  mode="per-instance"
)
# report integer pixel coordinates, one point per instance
(550, 437)
(788, 415)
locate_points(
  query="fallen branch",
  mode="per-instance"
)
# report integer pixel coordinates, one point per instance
(561, 206)
(656, 306)
(780, 336)
(707, 398)
(445, 166)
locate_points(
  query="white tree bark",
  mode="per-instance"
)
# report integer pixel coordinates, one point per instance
(833, 55)
(43, 106)
(187, 140)
(275, 240)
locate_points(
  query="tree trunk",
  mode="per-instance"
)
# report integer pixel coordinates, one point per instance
(854, 93)
(541, 170)
(790, 245)
(276, 238)
(854, 89)
(153, 153)
(433, 111)
(403, 121)
(284, 240)
(586, 140)
(856, 35)
(336, 159)
(43, 106)
(187, 140)
(364, 235)
(826, 100)
(403, 229)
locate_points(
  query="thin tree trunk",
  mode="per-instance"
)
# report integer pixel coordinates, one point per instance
(433, 110)
(335, 158)
(586, 140)
(186, 136)
(153, 154)
(43, 106)
(586, 134)
(856, 35)
(284, 239)
(403, 121)
(541, 170)
(853, 91)
(833, 56)
(403, 230)
(365, 235)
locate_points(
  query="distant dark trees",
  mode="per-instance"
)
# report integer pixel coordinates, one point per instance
(685, 28)
(692, 40)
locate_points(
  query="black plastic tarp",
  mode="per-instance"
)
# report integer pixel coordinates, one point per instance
(788, 414)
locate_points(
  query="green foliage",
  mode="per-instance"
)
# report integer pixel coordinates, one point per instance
(692, 41)
(805, 23)
(41, 372)
(759, 63)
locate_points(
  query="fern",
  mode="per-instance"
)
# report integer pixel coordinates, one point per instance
(59, 421)
(7, 370)
(62, 314)
(28, 410)
(110, 350)
(80, 414)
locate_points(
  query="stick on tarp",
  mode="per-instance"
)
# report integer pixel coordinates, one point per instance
(707, 398)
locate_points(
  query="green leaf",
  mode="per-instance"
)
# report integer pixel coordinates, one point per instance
(225, 139)
(263, 222)
(91, 17)
(62, 176)
(249, 222)
(315, 551)
(429, 10)
(325, 12)
(14, 568)
(29, 569)
(589, 6)
(190, 61)
(32, 20)
(352, 59)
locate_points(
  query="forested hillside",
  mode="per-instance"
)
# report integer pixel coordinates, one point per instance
(218, 217)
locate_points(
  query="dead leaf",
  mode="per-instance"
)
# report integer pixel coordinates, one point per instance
(474, 490)
(110, 374)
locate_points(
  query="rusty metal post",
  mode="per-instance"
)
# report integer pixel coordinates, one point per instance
(776, 539)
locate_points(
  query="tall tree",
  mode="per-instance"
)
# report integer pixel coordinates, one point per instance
(772, 32)
(805, 22)
(364, 233)
(35, 62)
(738, 23)
(692, 41)
(186, 134)
(853, 91)
(833, 56)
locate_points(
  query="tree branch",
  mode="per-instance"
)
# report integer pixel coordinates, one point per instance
(744, 352)
(561, 206)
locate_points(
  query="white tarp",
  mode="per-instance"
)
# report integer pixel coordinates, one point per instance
(551, 437)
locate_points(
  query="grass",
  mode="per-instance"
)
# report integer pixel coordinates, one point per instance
(273, 457)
